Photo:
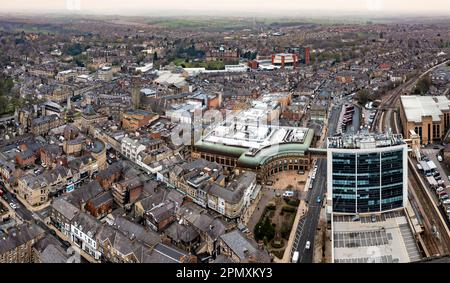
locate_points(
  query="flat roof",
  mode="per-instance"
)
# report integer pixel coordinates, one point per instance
(365, 140)
(387, 240)
(416, 107)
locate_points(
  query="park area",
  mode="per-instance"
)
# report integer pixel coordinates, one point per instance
(275, 224)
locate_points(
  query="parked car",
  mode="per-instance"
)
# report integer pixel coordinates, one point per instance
(288, 194)
(440, 189)
(446, 201)
(295, 257)
(443, 197)
(308, 245)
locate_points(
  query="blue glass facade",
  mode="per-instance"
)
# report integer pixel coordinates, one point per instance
(367, 182)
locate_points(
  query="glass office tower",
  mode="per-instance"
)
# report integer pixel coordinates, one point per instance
(367, 173)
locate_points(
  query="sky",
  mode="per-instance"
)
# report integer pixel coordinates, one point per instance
(140, 7)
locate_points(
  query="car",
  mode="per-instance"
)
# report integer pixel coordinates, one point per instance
(443, 197)
(13, 205)
(308, 245)
(373, 218)
(435, 147)
(440, 189)
(318, 199)
(295, 257)
(288, 194)
(437, 178)
(446, 201)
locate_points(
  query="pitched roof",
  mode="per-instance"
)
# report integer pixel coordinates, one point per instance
(64, 207)
(181, 232)
(244, 247)
(18, 236)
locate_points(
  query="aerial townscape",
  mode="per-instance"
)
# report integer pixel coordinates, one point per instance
(234, 138)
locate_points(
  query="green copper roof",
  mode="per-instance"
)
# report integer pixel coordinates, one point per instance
(221, 149)
(263, 155)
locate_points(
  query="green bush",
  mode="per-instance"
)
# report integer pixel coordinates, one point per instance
(293, 202)
(288, 209)
(271, 207)
(264, 230)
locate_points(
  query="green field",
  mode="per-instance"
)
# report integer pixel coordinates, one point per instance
(213, 65)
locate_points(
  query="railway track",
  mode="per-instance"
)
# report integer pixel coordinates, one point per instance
(390, 99)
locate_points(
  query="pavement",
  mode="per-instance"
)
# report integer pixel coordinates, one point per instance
(60, 235)
(22, 212)
(37, 216)
(266, 197)
(308, 229)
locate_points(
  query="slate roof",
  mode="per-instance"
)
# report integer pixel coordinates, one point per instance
(244, 247)
(64, 207)
(181, 232)
(18, 236)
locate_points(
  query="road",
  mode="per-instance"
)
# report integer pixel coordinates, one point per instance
(27, 216)
(307, 230)
(22, 212)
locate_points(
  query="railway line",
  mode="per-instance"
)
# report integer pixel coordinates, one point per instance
(389, 100)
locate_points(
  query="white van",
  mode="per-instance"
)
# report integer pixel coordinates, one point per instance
(295, 257)
(288, 194)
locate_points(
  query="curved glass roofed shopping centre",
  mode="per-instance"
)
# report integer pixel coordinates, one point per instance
(252, 137)
(250, 157)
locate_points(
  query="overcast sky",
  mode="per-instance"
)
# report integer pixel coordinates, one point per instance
(140, 7)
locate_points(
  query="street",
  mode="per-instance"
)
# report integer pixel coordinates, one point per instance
(27, 216)
(307, 231)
